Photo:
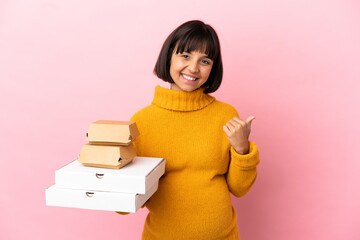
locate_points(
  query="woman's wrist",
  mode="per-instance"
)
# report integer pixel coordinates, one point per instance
(242, 151)
(243, 148)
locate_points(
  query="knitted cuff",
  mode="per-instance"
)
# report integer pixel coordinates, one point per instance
(246, 161)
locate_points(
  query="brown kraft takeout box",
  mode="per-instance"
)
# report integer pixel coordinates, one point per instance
(107, 132)
(114, 157)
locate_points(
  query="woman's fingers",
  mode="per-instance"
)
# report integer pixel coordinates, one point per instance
(238, 120)
(242, 122)
(236, 124)
(226, 130)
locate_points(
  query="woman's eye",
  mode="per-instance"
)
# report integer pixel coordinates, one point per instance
(206, 62)
(185, 56)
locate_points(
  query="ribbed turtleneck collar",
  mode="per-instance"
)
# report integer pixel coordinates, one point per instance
(181, 100)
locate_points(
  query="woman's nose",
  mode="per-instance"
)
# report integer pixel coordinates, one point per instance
(193, 66)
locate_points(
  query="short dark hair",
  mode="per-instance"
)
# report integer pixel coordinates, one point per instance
(190, 36)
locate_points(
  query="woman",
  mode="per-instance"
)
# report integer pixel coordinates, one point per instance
(203, 140)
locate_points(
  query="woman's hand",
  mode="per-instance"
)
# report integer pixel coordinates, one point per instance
(238, 132)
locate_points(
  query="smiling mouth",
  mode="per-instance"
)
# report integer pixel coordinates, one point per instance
(188, 78)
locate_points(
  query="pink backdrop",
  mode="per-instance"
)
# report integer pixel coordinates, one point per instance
(292, 64)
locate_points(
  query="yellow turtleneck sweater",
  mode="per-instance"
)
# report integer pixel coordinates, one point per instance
(193, 200)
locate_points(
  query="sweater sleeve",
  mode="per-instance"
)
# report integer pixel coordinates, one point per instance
(242, 171)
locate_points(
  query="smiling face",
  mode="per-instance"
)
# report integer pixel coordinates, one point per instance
(189, 70)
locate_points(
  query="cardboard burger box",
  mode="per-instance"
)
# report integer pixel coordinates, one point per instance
(110, 144)
(108, 132)
(106, 156)
(123, 190)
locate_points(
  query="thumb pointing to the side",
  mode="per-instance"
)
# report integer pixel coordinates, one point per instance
(249, 120)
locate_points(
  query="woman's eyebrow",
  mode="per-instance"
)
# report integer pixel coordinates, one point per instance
(206, 56)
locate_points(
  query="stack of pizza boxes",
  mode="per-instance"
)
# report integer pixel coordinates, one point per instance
(107, 175)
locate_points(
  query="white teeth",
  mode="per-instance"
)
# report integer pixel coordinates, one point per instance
(188, 78)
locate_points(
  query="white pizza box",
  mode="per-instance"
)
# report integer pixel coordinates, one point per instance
(97, 200)
(136, 177)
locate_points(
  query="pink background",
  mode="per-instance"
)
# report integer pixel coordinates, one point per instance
(292, 64)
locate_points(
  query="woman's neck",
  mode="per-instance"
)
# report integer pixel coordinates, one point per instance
(175, 87)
